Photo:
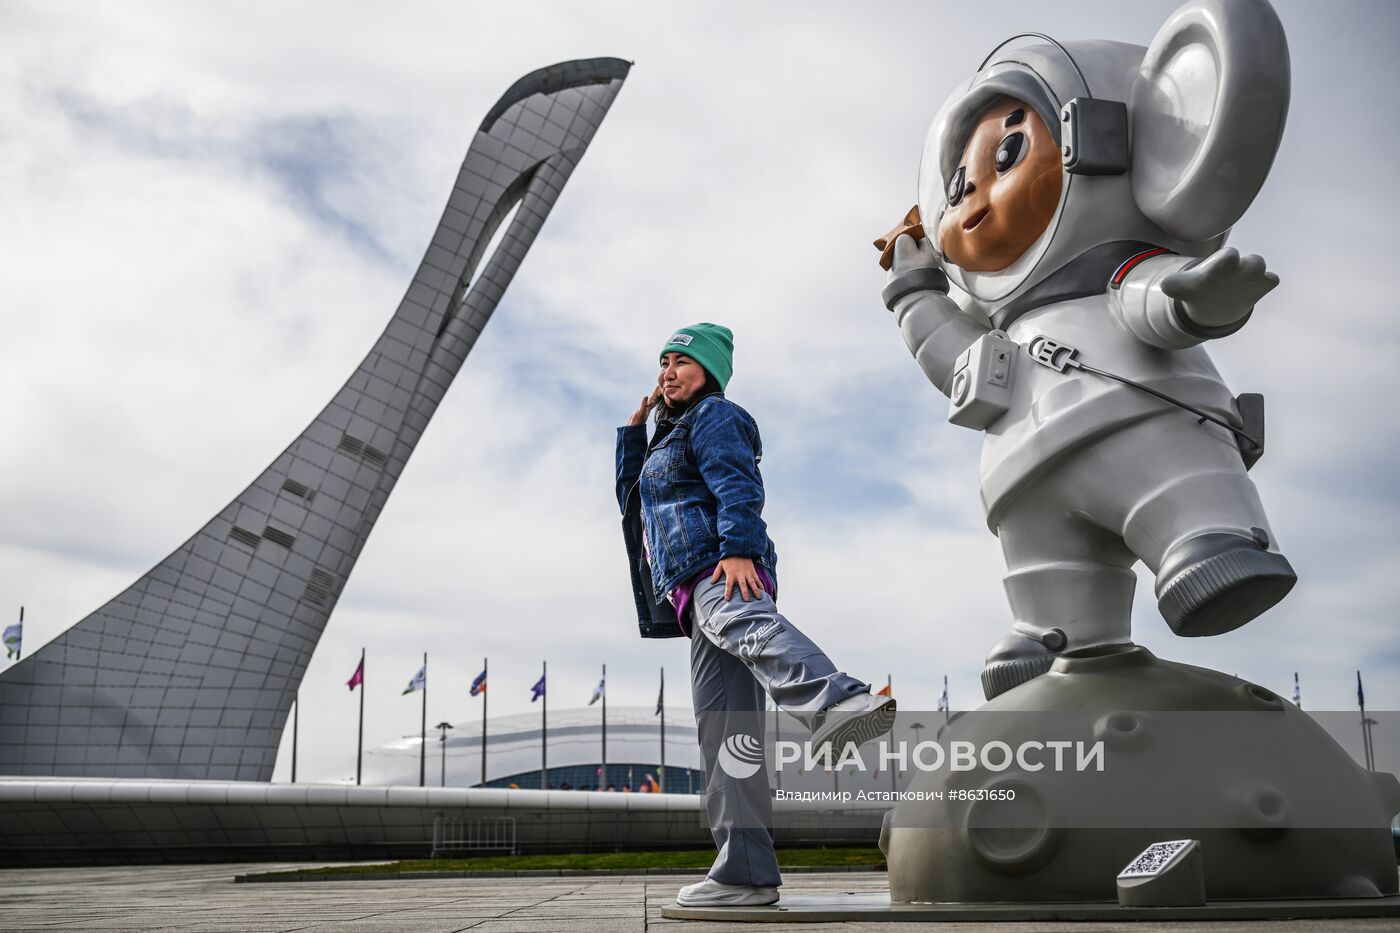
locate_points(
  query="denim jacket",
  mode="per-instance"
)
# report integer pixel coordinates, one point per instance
(696, 495)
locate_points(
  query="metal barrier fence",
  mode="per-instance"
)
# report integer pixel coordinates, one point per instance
(488, 834)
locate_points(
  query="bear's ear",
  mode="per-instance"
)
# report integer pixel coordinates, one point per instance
(1207, 114)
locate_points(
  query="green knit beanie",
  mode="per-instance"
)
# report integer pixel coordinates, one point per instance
(710, 345)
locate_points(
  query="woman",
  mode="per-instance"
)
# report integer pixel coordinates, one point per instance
(692, 502)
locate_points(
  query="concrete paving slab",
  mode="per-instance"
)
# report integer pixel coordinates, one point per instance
(204, 899)
(877, 908)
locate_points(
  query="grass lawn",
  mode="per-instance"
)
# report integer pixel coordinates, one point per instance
(697, 859)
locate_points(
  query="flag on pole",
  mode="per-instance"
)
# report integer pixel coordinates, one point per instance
(479, 685)
(419, 681)
(537, 690)
(13, 635)
(357, 678)
(1360, 694)
(597, 692)
(943, 700)
(1297, 691)
(884, 691)
(661, 697)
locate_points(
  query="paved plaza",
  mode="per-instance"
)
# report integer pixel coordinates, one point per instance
(205, 898)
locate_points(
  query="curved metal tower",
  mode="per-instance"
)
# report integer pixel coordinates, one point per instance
(191, 672)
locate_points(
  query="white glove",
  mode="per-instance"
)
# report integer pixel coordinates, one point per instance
(1218, 291)
(915, 268)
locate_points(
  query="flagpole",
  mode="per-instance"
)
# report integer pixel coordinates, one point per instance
(947, 703)
(360, 744)
(296, 717)
(1365, 733)
(662, 703)
(544, 727)
(423, 733)
(889, 683)
(484, 692)
(605, 725)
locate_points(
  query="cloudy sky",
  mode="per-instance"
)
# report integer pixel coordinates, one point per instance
(209, 211)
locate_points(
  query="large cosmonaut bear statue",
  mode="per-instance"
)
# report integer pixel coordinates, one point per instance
(1079, 197)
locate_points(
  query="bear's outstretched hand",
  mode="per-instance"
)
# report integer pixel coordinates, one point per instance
(1221, 289)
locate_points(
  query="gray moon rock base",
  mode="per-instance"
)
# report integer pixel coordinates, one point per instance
(1280, 809)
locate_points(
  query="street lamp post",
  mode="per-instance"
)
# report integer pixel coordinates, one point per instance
(442, 728)
(916, 726)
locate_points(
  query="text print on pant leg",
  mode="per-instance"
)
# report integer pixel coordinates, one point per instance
(757, 636)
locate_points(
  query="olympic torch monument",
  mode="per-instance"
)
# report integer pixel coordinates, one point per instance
(191, 671)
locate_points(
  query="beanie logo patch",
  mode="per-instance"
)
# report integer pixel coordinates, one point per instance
(680, 339)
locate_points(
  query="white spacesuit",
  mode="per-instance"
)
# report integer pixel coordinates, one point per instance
(1110, 436)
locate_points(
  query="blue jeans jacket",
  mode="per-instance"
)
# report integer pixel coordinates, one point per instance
(695, 494)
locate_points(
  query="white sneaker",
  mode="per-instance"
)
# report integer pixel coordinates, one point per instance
(712, 893)
(855, 720)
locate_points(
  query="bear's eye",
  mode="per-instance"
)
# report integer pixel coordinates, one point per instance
(1012, 150)
(956, 185)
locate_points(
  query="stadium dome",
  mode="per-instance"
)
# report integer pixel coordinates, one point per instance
(574, 753)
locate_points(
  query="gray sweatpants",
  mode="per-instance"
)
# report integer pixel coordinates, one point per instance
(738, 650)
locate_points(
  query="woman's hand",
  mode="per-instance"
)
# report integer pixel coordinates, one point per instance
(640, 415)
(738, 572)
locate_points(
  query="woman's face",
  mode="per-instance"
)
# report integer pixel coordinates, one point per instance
(681, 377)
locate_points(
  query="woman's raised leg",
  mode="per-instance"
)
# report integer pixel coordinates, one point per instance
(787, 664)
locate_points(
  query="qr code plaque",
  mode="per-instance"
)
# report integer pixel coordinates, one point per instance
(1155, 859)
